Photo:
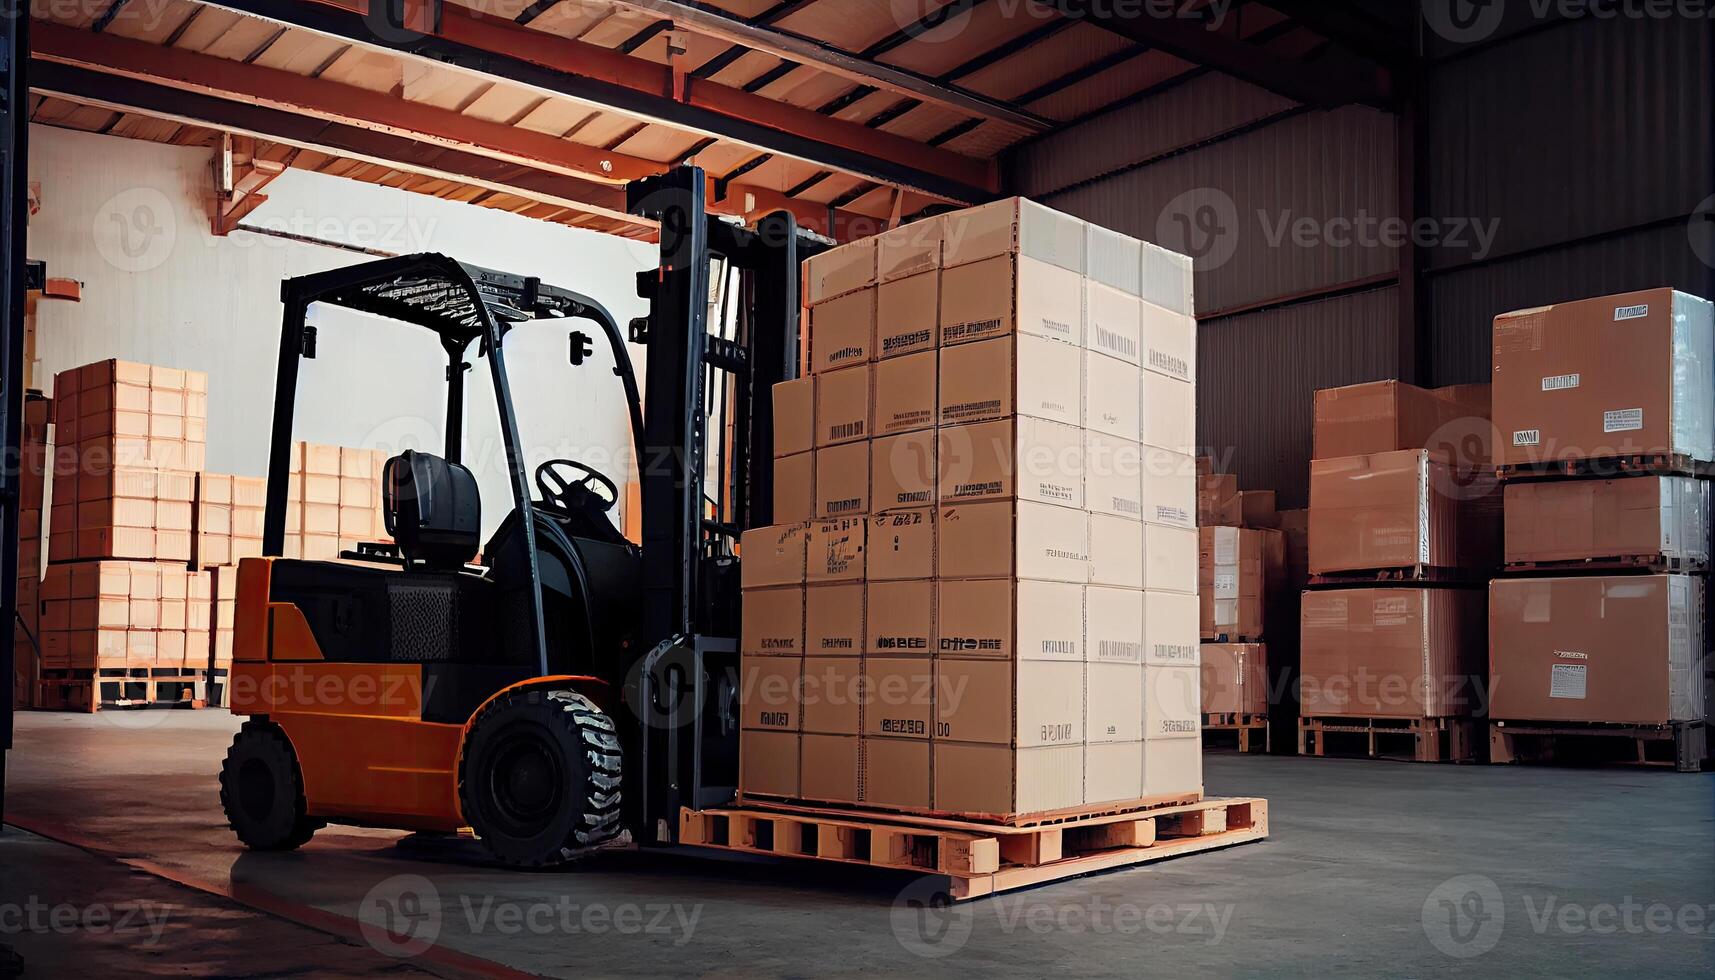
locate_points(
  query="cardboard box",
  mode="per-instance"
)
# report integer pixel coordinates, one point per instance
(1116, 551)
(1169, 559)
(899, 696)
(1168, 280)
(1236, 569)
(1397, 510)
(1170, 629)
(1015, 458)
(909, 250)
(843, 406)
(1172, 768)
(1011, 295)
(768, 763)
(1002, 781)
(835, 550)
(1218, 501)
(1114, 322)
(996, 379)
(1112, 392)
(769, 692)
(1639, 517)
(773, 555)
(1019, 703)
(1169, 343)
(830, 767)
(1169, 414)
(1389, 416)
(1113, 630)
(1014, 226)
(1616, 376)
(842, 480)
(1257, 508)
(1010, 619)
(834, 695)
(1113, 699)
(1624, 649)
(901, 546)
(905, 393)
(1113, 772)
(795, 416)
(908, 315)
(1114, 260)
(1392, 653)
(895, 772)
(1013, 539)
(901, 620)
(773, 622)
(1172, 703)
(1235, 678)
(1169, 488)
(842, 332)
(1113, 476)
(839, 271)
(834, 620)
(903, 470)
(795, 487)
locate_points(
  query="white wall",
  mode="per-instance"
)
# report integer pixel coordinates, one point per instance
(130, 220)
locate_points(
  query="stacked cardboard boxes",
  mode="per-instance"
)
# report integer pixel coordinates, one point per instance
(1602, 615)
(981, 597)
(334, 500)
(1403, 528)
(32, 522)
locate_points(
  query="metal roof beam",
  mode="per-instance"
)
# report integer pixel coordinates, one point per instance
(1368, 32)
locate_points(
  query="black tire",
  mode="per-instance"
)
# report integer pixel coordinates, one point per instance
(539, 780)
(262, 790)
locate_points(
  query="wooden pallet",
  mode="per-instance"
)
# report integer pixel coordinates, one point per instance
(91, 690)
(1611, 564)
(1411, 739)
(1384, 577)
(978, 859)
(1231, 638)
(1653, 464)
(1243, 726)
(1681, 745)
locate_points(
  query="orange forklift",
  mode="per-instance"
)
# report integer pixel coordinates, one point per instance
(572, 686)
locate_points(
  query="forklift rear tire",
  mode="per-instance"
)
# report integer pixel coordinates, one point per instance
(262, 790)
(539, 781)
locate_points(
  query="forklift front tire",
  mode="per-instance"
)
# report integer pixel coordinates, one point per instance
(539, 781)
(262, 790)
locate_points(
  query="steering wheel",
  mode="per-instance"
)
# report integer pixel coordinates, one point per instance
(573, 493)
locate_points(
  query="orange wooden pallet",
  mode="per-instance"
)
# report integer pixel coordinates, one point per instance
(979, 859)
(1415, 739)
(1251, 730)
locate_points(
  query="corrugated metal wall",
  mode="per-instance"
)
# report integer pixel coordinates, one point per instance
(1590, 145)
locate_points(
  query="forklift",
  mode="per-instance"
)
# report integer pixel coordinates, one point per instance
(568, 687)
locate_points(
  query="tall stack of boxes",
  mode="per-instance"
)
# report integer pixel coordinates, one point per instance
(1606, 412)
(1241, 565)
(1403, 531)
(334, 500)
(117, 592)
(981, 593)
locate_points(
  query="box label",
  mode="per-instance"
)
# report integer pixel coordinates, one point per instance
(1561, 382)
(1527, 437)
(1567, 681)
(1170, 364)
(1623, 420)
(1630, 313)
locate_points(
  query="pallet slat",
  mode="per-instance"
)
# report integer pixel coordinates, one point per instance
(1432, 739)
(1242, 726)
(979, 859)
(1686, 744)
(1658, 464)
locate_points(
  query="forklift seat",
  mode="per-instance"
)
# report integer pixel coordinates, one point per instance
(432, 510)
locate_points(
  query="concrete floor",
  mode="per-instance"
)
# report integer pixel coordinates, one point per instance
(1372, 868)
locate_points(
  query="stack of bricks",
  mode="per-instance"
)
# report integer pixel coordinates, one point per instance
(980, 592)
(32, 520)
(117, 592)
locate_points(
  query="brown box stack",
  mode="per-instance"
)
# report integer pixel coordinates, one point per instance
(1403, 509)
(981, 595)
(124, 614)
(1392, 653)
(1238, 569)
(32, 522)
(334, 500)
(1580, 388)
(1235, 679)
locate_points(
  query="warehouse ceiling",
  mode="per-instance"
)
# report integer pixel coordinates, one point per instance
(850, 113)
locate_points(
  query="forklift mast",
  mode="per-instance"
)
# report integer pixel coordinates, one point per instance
(708, 410)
